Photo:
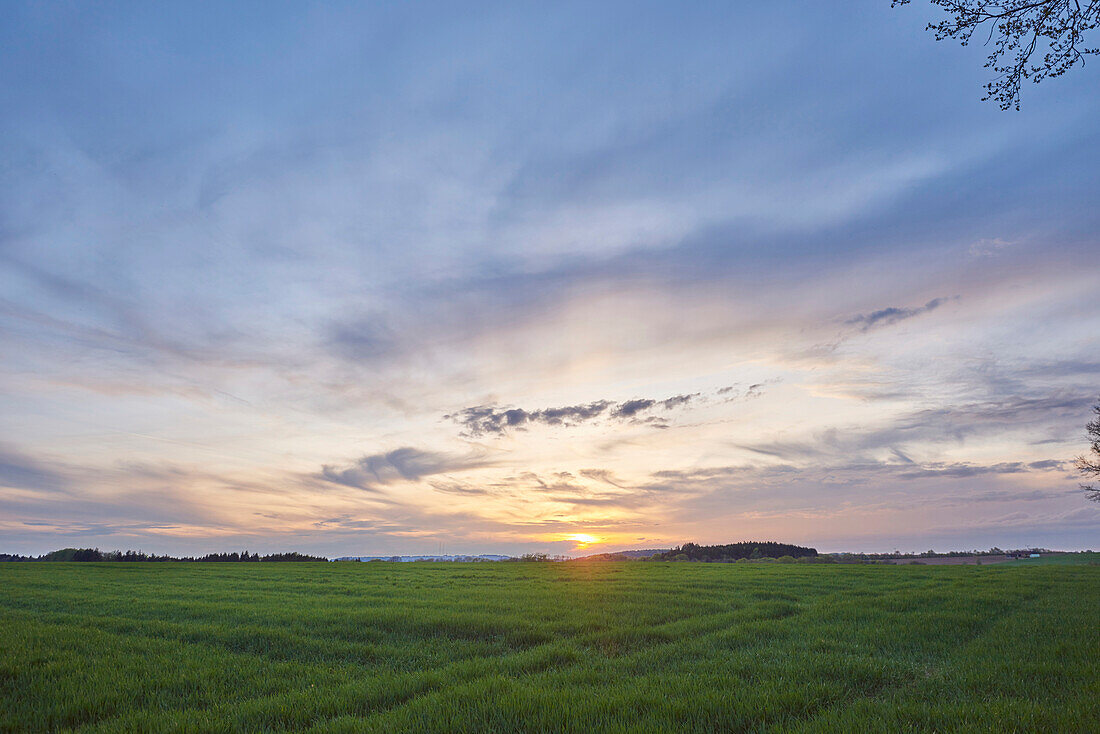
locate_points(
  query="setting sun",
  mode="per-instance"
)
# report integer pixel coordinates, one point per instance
(321, 326)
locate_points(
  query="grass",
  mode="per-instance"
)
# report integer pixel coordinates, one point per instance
(1067, 559)
(578, 647)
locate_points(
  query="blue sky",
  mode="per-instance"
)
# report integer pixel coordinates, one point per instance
(352, 279)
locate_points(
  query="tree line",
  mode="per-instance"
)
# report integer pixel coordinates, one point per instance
(734, 552)
(96, 555)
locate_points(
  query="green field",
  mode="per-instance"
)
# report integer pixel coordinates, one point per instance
(580, 647)
(1062, 559)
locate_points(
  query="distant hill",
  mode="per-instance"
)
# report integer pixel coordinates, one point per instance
(734, 552)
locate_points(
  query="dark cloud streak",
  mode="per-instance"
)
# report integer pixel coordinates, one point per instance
(488, 419)
(892, 315)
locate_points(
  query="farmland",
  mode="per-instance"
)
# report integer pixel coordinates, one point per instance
(621, 647)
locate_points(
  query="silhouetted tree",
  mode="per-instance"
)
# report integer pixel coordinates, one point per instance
(533, 558)
(733, 552)
(1089, 464)
(292, 557)
(1018, 29)
(94, 554)
(88, 554)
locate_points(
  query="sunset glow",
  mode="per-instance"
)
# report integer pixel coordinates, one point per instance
(442, 280)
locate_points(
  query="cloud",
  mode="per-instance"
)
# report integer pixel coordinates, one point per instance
(999, 414)
(963, 469)
(1047, 464)
(488, 419)
(892, 315)
(373, 472)
(1060, 410)
(678, 400)
(966, 469)
(786, 450)
(601, 475)
(23, 472)
(484, 419)
(464, 489)
(1081, 368)
(632, 407)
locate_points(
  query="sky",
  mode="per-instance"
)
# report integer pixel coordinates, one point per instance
(360, 279)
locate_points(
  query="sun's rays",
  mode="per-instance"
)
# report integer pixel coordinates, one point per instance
(583, 540)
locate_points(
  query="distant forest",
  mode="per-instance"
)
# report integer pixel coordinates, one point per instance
(95, 554)
(734, 552)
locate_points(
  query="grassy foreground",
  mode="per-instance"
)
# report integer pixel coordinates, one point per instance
(622, 647)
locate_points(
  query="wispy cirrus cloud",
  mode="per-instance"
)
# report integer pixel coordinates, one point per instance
(375, 471)
(602, 475)
(966, 469)
(25, 472)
